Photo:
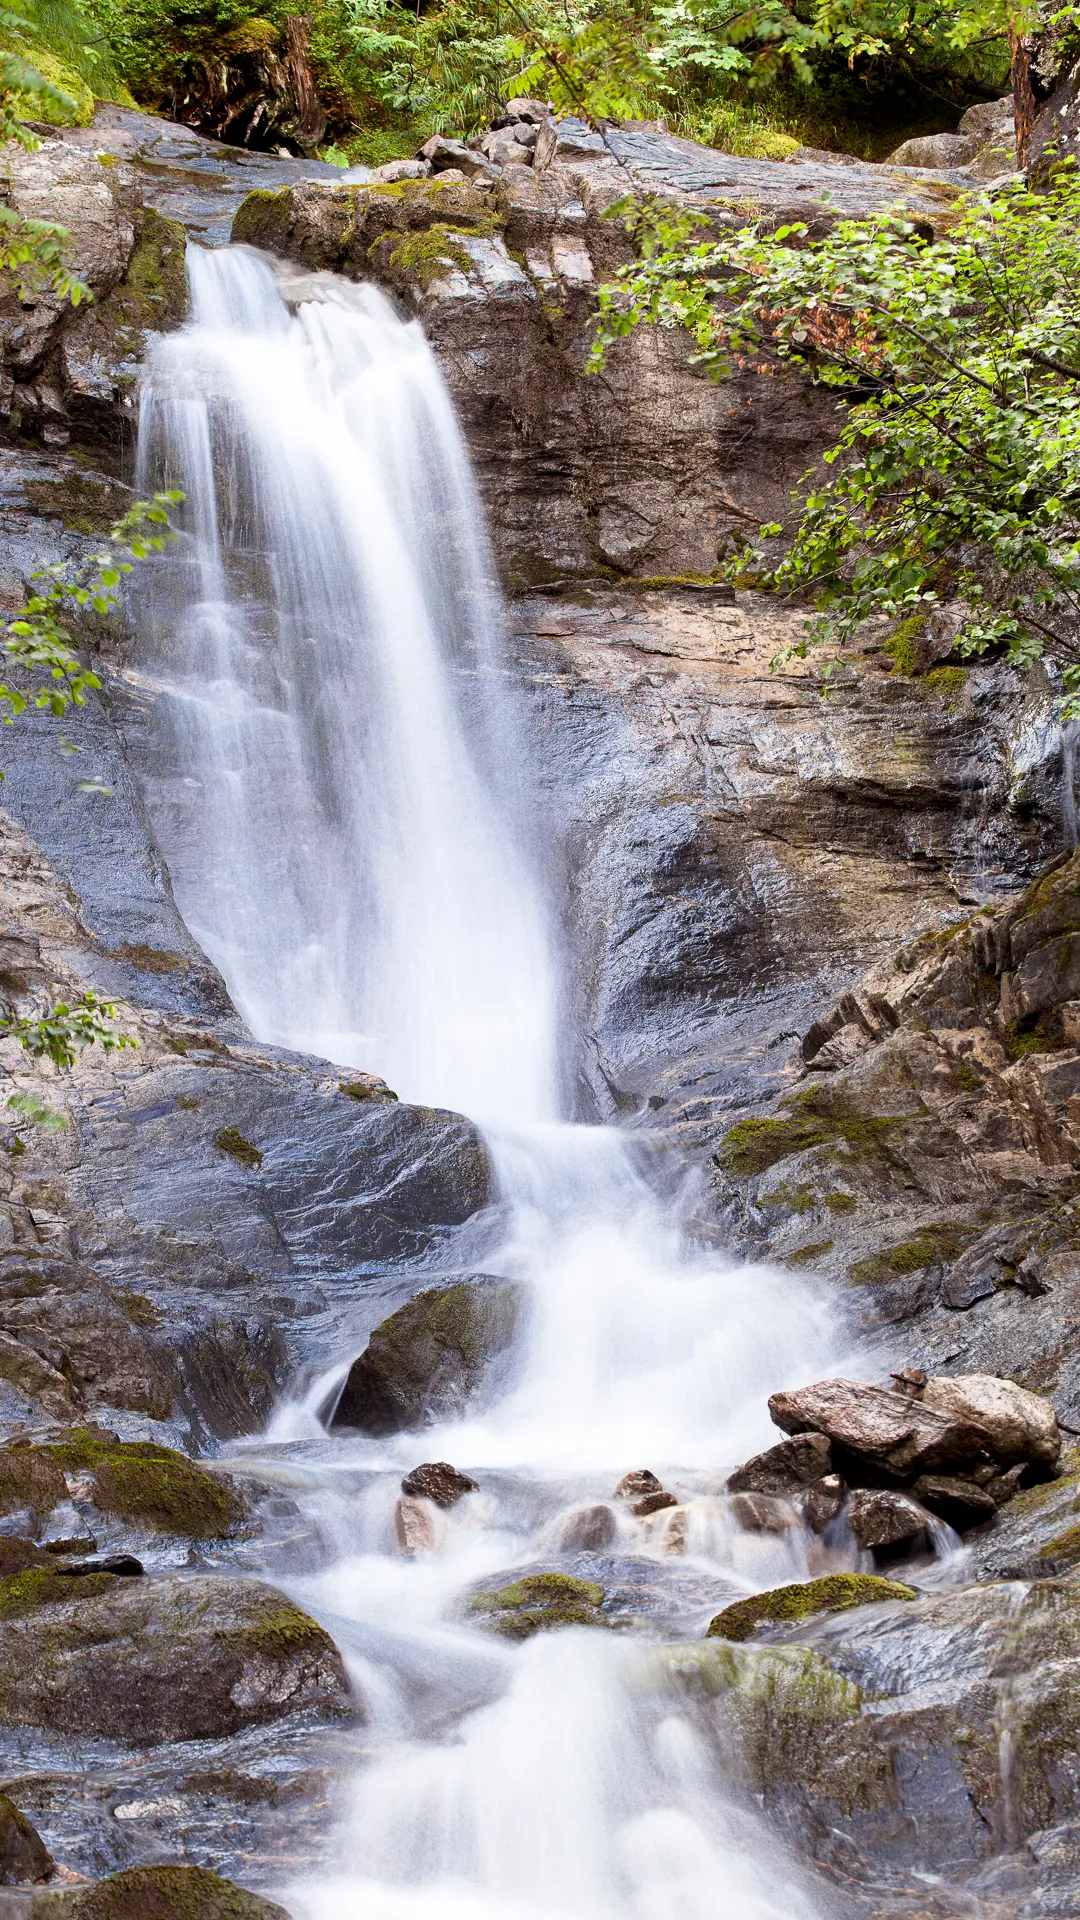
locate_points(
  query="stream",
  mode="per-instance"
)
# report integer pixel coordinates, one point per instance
(354, 837)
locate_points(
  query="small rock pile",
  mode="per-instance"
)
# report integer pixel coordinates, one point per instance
(894, 1459)
(519, 137)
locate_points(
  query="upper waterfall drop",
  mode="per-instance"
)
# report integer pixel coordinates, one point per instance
(348, 761)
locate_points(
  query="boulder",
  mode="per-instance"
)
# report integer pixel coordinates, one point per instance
(158, 1893)
(23, 1853)
(587, 1530)
(171, 1658)
(437, 1480)
(538, 1602)
(989, 119)
(787, 1606)
(522, 107)
(959, 1502)
(504, 150)
(763, 1513)
(428, 1359)
(936, 150)
(444, 154)
(879, 1518)
(1020, 1425)
(785, 1469)
(889, 1430)
(394, 170)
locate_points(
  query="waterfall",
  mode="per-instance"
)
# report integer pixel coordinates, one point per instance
(346, 813)
(353, 855)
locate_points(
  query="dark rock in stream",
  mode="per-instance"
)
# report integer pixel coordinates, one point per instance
(429, 1358)
(786, 1469)
(437, 1480)
(881, 1518)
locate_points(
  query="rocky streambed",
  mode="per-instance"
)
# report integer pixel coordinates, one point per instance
(824, 959)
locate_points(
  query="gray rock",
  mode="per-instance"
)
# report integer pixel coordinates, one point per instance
(989, 119)
(936, 150)
(171, 1658)
(443, 154)
(522, 107)
(394, 170)
(785, 1469)
(430, 1358)
(824, 1500)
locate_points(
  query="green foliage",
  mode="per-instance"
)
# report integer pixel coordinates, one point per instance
(34, 1108)
(955, 473)
(37, 639)
(62, 1033)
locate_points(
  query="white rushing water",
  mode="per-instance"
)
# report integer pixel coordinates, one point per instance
(349, 832)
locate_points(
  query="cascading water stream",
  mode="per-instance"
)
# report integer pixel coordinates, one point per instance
(348, 826)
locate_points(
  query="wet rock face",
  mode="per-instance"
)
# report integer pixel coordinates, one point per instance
(429, 1358)
(906, 1772)
(160, 1659)
(781, 1607)
(785, 1469)
(887, 1430)
(934, 1171)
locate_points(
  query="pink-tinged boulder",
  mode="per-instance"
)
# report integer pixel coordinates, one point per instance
(1021, 1425)
(889, 1430)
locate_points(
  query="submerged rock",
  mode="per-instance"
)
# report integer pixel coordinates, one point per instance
(158, 1893)
(764, 1513)
(785, 1606)
(539, 1601)
(159, 1659)
(23, 1853)
(429, 1358)
(588, 1530)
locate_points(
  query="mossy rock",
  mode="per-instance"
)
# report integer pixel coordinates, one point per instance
(30, 1478)
(171, 1657)
(538, 1602)
(429, 1358)
(158, 1893)
(783, 1606)
(138, 1480)
(418, 259)
(232, 1142)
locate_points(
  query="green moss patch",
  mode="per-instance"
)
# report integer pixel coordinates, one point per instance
(942, 1240)
(139, 1480)
(905, 645)
(29, 1478)
(818, 1118)
(805, 1256)
(428, 255)
(539, 1602)
(23, 1593)
(230, 1141)
(783, 1606)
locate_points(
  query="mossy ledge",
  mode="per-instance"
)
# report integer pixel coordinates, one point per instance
(133, 1479)
(538, 1602)
(782, 1606)
(157, 1893)
(817, 1118)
